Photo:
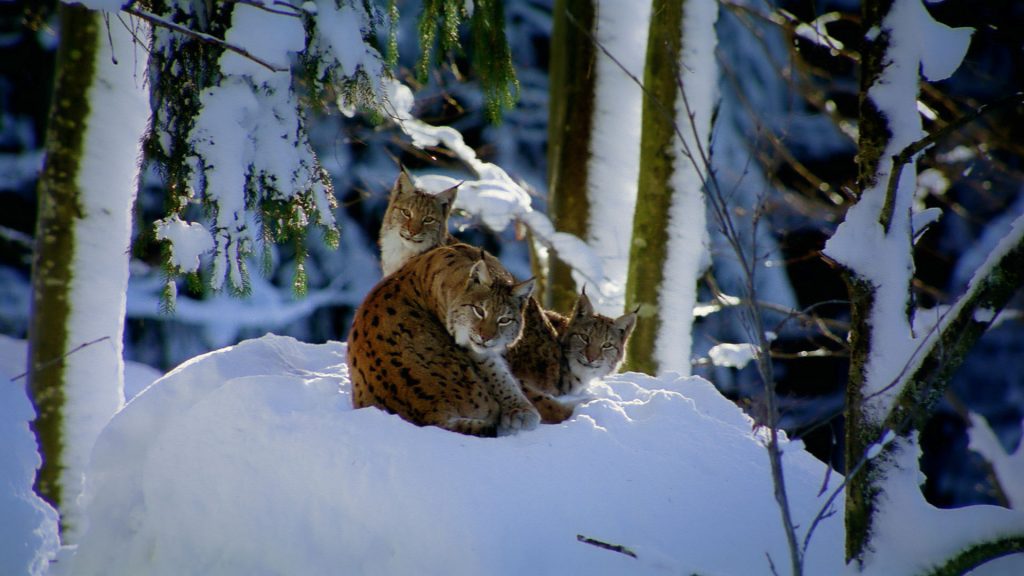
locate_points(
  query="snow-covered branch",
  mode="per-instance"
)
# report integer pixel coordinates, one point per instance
(493, 197)
(210, 39)
(1007, 467)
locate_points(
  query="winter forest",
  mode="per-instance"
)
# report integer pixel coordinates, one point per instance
(815, 210)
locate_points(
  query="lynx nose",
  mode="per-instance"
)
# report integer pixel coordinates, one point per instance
(486, 335)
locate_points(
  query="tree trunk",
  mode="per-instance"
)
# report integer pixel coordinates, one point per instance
(569, 135)
(669, 223)
(59, 208)
(861, 430)
(83, 232)
(654, 191)
(896, 375)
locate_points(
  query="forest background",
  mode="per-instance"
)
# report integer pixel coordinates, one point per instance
(789, 96)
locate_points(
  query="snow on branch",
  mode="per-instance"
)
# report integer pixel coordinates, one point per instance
(941, 349)
(494, 197)
(228, 131)
(170, 25)
(1008, 467)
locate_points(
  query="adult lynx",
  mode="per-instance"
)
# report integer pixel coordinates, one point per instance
(414, 222)
(427, 344)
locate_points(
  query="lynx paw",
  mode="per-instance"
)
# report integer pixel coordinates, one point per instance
(518, 419)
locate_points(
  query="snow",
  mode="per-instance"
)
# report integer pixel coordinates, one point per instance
(732, 355)
(883, 256)
(910, 535)
(189, 241)
(493, 196)
(266, 36)
(1008, 466)
(614, 165)
(251, 460)
(108, 180)
(28, 531)
(686, 251)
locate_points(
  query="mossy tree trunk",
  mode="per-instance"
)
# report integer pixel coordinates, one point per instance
(649, 249)
(924, 378)
(86, 194)
(570, 124)
(59, 209)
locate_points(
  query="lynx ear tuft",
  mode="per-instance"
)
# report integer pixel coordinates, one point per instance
(447, 198)
(404, 184)
(479, 274)
(626, 323)
(583, 306)
(524, 289)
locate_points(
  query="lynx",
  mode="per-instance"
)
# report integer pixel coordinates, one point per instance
(414, 222)
(593, 345)
(427, 344)
(589, 346)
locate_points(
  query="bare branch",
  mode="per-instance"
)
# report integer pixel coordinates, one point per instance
(613, 547)
(201, 36)
(906, 155)
(61, 358)
(293, 11)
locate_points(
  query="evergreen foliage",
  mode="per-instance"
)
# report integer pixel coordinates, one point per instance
(492, 59)
(286, 190)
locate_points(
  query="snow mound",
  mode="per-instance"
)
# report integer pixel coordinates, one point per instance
(251, 460)
(28, 525)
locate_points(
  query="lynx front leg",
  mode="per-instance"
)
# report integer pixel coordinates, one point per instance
(552, 410)
(517, 413)
(485, 427)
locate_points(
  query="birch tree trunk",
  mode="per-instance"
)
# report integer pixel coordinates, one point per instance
(669, 223)
(83, 231)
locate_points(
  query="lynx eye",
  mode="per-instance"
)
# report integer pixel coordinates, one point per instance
(406, 213)
(608, 346)
(429, 220)
(583, 338)
(480, 313)
(504, 321)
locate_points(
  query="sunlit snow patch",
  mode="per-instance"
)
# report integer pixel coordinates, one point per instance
(251, 460)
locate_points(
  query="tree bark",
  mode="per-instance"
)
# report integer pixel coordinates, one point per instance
(649, 248)
(59, 209)
(83, 234)
(862, 431)
(570, 124)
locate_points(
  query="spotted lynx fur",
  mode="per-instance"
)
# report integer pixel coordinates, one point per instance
(427, 344)
(589, 346)
(414, 222)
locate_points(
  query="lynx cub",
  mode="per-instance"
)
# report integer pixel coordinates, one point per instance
(427, 344)
(414, 222)
(589, 346)
(592, 345)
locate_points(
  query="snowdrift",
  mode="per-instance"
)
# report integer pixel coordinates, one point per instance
(250, 460)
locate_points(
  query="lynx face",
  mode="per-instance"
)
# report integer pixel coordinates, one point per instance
(415, 221)
(594, 345)
(487, 317)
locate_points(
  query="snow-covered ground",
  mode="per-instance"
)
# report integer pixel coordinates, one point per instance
(251, 460)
